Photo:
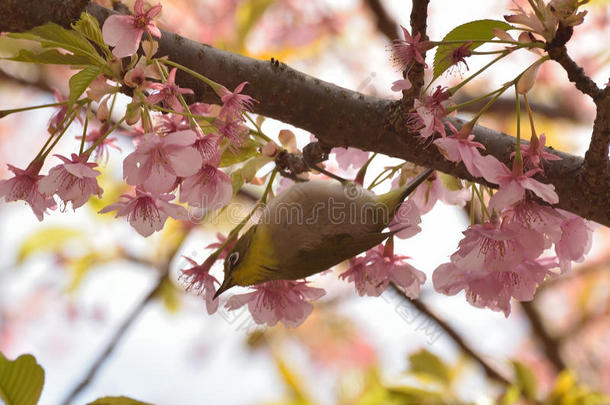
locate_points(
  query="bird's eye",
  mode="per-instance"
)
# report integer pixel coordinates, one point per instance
(233, 258)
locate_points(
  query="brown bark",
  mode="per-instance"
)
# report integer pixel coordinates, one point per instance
(341, 117)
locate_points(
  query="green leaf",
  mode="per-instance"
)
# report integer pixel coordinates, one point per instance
(52, 57)
(247, 172)
(480, 30)
(117, 401)
(244, 153)
(170, 296)
(80, 266)
(450, 182)
(426, 364)
(237, 181)
(525, 380)
(81, 80)
(51, 35)
(90, 29)
(21, 380)
(46, 240)
(510, 396)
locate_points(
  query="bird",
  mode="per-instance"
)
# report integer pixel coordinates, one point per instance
(311, 227)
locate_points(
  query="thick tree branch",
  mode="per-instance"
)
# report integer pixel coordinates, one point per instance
(341, 117)
(459, 341)
(21, 15)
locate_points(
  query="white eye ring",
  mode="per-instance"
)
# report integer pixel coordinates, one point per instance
(233, 258)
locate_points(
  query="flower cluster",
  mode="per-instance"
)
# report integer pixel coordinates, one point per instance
(502, 258)
(373, 272)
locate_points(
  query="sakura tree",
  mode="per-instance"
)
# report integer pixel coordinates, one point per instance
(194, 119)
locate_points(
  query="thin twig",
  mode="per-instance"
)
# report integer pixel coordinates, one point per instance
(421, 307)
(113, 343)
(385, 23)
(559, 53)
(549, 343)
(419, 24)
(600, 265)
(129, 320)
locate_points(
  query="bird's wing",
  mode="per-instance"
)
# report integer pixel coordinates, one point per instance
(323, 252)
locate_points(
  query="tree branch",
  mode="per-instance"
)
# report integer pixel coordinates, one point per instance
(385, 24)
(341, 117)
(419, 24)
(421, 307)
(550, 345)
(163, 268)
(22, 15)
(596, 163)
(558, 52)
(113, 343)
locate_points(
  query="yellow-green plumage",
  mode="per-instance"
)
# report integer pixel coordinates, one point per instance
(311, 227)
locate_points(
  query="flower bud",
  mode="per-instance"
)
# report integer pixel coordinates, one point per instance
(288, 140)
(269, 149)
(133, 113)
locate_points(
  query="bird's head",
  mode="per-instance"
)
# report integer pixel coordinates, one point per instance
(238, 265)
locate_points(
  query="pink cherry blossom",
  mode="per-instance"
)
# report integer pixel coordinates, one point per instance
(347, 157)
(234, 104)
(429, 113)
(221, 240)
(545, 25)
(145, 211)
(168, 92)
(409, 49)
(459, 55)
(527, 214)
(234, 132)
(372, 273)
(493, 289)
(408, 217)
(74, 180)
(138, 75)
(513, 185)
(283, 301)
(124, 32)
(575, 242)
(492, 247)
(210, 188)
(100, 88)
(199, 279)
(157, 161)
(462, 148)
(168, 123)
(433, 190)
(102, 149)
(209, 147)
(24, 186)
(534, 154)
(204, 109)
(401, 84)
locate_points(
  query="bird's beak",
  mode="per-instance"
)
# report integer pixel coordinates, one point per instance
(226, 284)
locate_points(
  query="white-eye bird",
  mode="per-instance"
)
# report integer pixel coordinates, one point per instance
(311, 227)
